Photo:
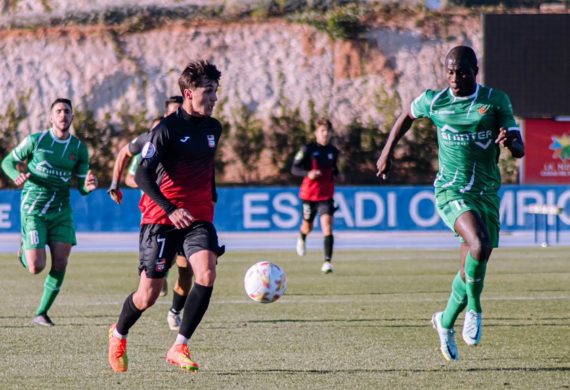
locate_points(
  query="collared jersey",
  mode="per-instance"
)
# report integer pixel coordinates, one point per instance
(315, 156)
(51, 163)
(177, 168)
(466, 131)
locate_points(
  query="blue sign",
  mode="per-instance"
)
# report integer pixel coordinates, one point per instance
(273, 209)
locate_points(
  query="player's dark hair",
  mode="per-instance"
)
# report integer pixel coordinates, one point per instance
(459, 53)
(176, 99)
(61, 100)
(324, 122)
(195, 72)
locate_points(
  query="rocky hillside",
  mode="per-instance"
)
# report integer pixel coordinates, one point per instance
(266, 63)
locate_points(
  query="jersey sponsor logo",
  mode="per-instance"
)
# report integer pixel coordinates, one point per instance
(183, 140)
(211, 140)
(46, 169)
(483, 109)
(560, 147)
(148, 150)
(481, 138)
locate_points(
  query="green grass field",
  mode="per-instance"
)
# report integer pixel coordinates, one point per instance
(364, 327)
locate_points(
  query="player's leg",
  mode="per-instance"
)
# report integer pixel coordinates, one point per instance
(202, 250)
(326, 211)
(33, 242)
(472, 229)
(309, 211)
(61, 238)
(180, 292)
(157, 248)
(164, 289)
(59, 256)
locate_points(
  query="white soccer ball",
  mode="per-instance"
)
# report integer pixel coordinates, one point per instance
(265, 282)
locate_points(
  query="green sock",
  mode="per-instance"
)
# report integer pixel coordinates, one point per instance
(52, 284)
(456, 302)
(474, 278)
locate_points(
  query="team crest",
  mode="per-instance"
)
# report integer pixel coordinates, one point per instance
(330, 156)
(211, 140)
(148, 150)
(483, 109)
(160, 265)
(72, 157)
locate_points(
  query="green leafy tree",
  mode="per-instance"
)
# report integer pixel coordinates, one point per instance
(9, 123)
(246, 141)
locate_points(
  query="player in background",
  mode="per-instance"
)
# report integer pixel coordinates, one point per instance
(473, 122)
(177, 178)
(53, 157)
(184, 280)
(316, 162)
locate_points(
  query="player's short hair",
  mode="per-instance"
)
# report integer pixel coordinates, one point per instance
(176, 99)
(61, 100)
(195, 72)
(463, 53)
(324, 122)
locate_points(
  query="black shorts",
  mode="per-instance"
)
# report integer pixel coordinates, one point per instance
(323, 207)
(159, 245)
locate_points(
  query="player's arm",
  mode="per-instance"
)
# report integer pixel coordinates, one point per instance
(401, 126)
(302, 166)
(87, 179)
(154, 151)
(16, 157)
(509, 133)
(120, 162)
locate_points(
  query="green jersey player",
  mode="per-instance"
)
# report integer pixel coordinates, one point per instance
(53, 156)
(472, 122)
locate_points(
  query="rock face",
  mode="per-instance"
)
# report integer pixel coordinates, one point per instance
(264, 66)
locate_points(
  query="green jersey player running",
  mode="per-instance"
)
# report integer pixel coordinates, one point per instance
(472, 122)
(53, 156)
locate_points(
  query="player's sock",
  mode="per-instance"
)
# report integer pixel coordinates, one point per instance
(474, 278)
(177, 302)
(52, 284)
(181, 339)
(328, 242)
(129, 316)
(194, 309)
(456, 302)
(303, 236)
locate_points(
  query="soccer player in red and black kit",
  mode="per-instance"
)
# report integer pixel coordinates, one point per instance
(317, 163)
(176, 175)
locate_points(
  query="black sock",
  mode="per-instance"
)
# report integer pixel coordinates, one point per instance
(329, 241)
(303, 236)
(129, 315)
(194, 309)
(177, 302)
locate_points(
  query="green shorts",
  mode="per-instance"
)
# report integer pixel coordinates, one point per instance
(39, 230)
(451, 204)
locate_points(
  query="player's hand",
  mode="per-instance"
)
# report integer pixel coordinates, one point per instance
(383, 166)
(314, 173)
(90, 181)
(22, 178)
(181, 218)
(504, 139)
(116, 194)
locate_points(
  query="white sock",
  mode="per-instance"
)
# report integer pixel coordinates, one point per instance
(181, 339)
(118, 335)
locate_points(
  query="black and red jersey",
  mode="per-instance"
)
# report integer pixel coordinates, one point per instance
(321, 157)
(177, 168)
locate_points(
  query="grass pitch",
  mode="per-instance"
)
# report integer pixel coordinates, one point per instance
(364, 327)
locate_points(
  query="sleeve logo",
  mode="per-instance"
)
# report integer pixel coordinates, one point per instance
(148, 150)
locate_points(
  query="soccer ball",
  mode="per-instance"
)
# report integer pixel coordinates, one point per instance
(265, 282)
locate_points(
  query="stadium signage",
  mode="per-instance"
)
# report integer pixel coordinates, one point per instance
(276, 209)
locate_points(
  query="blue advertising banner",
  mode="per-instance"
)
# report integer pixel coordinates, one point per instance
(273, 209)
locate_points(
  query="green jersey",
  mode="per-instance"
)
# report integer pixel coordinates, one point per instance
(51, 163)
(466, 131)
(133, 166)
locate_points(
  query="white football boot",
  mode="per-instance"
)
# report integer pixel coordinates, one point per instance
(301, 247)
(446, 338)
(327, 267)
(472, 327)
(173, 320)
